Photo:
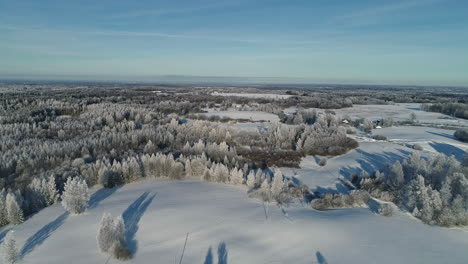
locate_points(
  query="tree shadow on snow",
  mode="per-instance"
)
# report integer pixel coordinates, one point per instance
(132, 216)
(320, 258)
(448, 150)
(339, 188)
(370, 162)
(100, 195)
(40, 236)
(209, 256)
(222, 254)
(442, 135)
(3, 234)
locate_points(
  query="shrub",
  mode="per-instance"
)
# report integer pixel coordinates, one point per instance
(350, 130)
(357, 198)
(379, 137)
(385, 209)
(120, 252)
(323, 162)
(461, 134)
(417, 147)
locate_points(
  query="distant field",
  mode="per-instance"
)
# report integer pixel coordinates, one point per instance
(252, 95)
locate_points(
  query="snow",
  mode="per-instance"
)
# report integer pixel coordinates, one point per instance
(435, 140)
(159, 218)
(369, 156)
(249, 115)
(372, 155)
(254, 95)
(399, 112)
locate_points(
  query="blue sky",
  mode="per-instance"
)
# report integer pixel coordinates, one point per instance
(338, 41)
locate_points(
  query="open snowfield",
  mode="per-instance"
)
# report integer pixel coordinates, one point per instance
(399, 112)
(431, 139)
(254, 95)
(249, 115)
(159, 214)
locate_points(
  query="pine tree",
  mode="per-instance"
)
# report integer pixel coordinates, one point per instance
(14, 212)
(75, 196)
(9, 249)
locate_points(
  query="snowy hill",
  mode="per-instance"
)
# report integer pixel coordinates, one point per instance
(159, 214)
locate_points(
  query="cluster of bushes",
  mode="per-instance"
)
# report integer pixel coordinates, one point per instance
(356, 198)
(307, 117)
(277, 188)
(379, 137)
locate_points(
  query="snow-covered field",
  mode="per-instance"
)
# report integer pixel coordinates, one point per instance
(158, 218)
(400, 112)
(254, 95)
(249, 115)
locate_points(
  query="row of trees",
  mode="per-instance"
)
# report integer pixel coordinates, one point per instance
(452, 109)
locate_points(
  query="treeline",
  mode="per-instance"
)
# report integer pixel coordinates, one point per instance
(459, 110)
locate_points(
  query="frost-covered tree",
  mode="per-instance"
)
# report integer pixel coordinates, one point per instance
(14, 211)
(9, 249)
(265, 191)
(237, 176)
(251, 182)
(3, 210)
(396, 174)
(105, 236)
(188, 169)
(75, 196)
(277, 184)
(51, 193)
(111, 237)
